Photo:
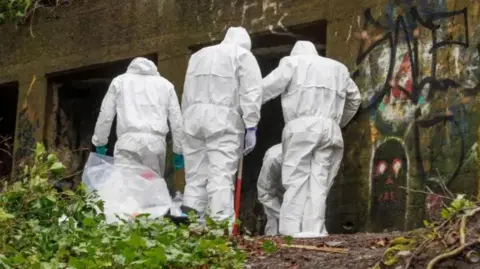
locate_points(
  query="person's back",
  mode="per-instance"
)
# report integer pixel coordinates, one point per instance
(222, 97)
(317, 86)
(220, 75)
(143, 98)
(318, 97)
(143, 101)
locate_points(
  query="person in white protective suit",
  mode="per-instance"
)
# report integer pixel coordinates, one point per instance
(143, 101)
(270, 188)
(222, 97)
(318, 97)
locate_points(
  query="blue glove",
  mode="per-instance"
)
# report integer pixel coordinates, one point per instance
(178, 161)
(250, 140)
(102, 150)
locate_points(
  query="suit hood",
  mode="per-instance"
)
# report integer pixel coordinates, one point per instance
(238, 36)
(142, 66)
(303, 48)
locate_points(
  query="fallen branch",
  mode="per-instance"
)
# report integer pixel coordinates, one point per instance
(450, 254)
(463, 245)
(426, 192)
(323, 249)
(463, 224)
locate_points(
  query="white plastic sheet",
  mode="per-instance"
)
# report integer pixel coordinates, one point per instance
(127, 190)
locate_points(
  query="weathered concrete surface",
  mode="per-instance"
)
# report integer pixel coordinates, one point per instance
(85, 33)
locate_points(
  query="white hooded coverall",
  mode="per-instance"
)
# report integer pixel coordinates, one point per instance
(222, 97)
(270, 188)
(318, 96)
(142, 101)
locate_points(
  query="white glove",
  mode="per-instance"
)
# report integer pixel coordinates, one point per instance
(250, 140)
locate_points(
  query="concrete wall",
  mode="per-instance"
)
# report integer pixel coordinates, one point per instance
(387, 142)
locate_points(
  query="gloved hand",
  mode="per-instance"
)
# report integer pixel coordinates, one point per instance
(178, 161)
(250, 140)
(102, 150)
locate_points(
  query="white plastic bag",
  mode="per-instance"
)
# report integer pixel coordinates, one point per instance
(127, 190)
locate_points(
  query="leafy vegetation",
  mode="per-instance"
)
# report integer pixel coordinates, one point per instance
(449, 238)
(17, 11)
(42, 228)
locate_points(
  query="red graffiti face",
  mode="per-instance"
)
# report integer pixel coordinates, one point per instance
(386, 174)
(388, 171)
(381, 167)
(396, 166)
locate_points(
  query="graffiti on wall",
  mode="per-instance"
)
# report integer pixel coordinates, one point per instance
(418, 74)
(389, 172)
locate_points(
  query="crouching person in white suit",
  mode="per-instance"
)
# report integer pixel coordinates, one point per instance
(270, 189)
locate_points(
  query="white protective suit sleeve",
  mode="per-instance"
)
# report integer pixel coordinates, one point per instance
(250, 89)
(176, 121)
(352, 101)
(106, 116)
(277, 81)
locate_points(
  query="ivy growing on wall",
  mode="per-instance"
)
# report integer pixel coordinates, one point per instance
(19, 11)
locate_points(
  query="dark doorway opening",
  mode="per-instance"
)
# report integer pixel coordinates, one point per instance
(269, 49)
(74, 101)
(8, 119)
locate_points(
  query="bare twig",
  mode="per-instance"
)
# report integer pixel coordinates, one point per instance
(463, 224)
(450, 254)
(71, 175)
(463, 245)
(444, 186)
(4, 141)
(323, 249)
(426, 192)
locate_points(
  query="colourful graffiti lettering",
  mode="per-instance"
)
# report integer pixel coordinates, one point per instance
(418, 73)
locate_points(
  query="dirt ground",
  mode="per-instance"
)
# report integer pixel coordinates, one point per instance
(364, 250)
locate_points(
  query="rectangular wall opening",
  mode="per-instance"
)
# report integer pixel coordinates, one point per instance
(269, 49)
(74, 101)
(8, 119)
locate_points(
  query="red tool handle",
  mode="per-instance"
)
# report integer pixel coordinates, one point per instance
(238, 196)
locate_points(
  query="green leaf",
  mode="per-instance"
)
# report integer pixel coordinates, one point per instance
(288, 240)
(4, 215)
(57, 167)
(137, 241)
(68, 193)
(37, 181)
(87, 222)
(52, 158)
(3, 262)
(158, 254)
(17, 187)
(39, 150)
(45, 265)
(445, 213)
(269, 246)
(51, 198)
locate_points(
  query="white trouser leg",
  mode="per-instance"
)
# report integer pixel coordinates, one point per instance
(223, 154)
(325, 164)
(313, 150)
(297, 148)
(196, 173)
